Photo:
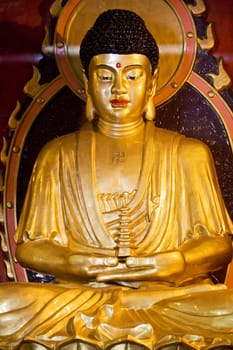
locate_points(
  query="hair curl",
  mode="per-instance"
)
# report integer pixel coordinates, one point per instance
(118, 31)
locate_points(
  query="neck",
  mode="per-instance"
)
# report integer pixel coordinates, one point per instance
(120, 130)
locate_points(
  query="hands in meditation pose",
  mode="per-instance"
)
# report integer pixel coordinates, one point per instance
(128, 217)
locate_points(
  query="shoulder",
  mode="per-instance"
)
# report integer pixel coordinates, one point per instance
(60, 142)
(167, 137)
(193, 149)
(187, 148)
(54, 149)
(66, 142)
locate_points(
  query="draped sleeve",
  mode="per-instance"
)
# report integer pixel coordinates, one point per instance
(42, 216)
(203, 211)
(185, 183)
(55, 206)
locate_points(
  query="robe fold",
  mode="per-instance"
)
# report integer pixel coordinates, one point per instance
(177, 198)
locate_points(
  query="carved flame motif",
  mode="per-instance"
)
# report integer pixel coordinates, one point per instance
(221, 79)
(208, 42)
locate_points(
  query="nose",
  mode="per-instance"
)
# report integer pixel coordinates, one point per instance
(119, 86)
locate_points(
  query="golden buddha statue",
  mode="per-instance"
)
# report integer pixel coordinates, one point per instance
(128, 217)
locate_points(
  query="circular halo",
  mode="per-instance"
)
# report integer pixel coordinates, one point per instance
(169, 21)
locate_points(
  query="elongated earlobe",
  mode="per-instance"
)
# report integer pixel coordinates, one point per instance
(90, 110)
(150, 111)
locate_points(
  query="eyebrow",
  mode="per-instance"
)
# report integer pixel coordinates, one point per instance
(112, 68)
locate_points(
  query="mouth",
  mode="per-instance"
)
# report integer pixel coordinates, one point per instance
(116, 103)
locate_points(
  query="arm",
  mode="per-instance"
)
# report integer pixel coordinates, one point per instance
(202, 216)
(195, 258)
(48, 257)
(52, 211)
(206, 253)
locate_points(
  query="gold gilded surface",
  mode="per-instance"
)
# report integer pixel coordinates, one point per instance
(4, 150)
(13, 122)
(56, 8)
(198, 8)
(33, 87)
(130, 220)
(221, 79)
(169, 33)
(207, 43)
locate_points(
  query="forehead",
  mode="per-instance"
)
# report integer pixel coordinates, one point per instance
(117, 61)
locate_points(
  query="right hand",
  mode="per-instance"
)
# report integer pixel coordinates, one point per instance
(90, 266)
(163, 266)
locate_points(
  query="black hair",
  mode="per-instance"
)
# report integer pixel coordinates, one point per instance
(121, 32)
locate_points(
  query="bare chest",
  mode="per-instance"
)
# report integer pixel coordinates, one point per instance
(118, 164)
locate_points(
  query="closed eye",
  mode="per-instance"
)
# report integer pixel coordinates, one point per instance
(104, 75)
(134, 74)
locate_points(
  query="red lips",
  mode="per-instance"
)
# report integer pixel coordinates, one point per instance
(119, 103)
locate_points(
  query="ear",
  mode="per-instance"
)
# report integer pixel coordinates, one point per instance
(154, 82)
(150, 111)
(85, 81)
(90, 109)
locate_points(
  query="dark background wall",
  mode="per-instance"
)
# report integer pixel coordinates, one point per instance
(21, 34)
(22, 31)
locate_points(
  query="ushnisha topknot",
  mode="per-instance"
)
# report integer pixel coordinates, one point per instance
(118, 31)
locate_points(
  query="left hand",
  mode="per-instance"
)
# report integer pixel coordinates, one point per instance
(166, 266)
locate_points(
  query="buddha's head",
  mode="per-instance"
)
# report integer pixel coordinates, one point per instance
(120, 57)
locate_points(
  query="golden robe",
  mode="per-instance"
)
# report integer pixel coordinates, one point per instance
(172, 203)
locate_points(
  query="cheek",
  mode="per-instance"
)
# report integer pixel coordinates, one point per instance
(101, 90)
(100, 98)
(139, 94)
